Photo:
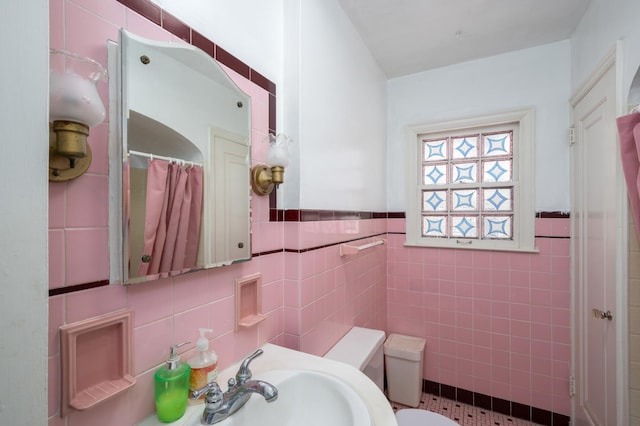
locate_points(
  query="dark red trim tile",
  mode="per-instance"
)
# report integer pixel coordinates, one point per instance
(447, 391)
(203, 43)
(520, 411)
(542, 417)
(145, 8)
(431, 387)
(561, 420)
(292, 215)
(553, 215)
(77, 287)
(376, 215)
(396, 215)
(262, 81)
(176, 26)
(464, 396)
(232, 62)
(272, 113)
(481, 400)
(501, 406)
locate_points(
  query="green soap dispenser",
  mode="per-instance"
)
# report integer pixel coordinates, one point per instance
(172, 387)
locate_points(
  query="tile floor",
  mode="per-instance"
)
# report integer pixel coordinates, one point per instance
(464, 414)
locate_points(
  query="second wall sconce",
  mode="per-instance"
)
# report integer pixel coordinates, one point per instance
(74, 107)
(265, 177)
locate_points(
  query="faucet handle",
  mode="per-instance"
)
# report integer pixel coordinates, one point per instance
(213, 391)
(244, 373)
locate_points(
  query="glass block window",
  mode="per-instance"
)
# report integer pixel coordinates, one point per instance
(474, 183)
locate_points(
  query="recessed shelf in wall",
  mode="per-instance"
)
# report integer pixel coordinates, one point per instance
(96, 360)
(249, 301)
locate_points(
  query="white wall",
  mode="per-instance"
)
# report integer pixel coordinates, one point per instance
(331, 93)
(537, 77)
(342, 113)
(23, 228)
(251, 30)
(605, 22)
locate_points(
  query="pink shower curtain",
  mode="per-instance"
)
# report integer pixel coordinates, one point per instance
(629, 132)
(172, 218)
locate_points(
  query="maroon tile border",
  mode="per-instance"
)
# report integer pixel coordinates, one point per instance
(553, 215)
(176, 26)
(487, 402)
(145, 8)
(310, 215)
(181, 30)
(77, 287)
(227, 59)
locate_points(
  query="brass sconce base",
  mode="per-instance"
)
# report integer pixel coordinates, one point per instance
(261, 180)
(67, 167)
(265, 178)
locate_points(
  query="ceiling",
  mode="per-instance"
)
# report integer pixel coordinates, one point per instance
(409, 36)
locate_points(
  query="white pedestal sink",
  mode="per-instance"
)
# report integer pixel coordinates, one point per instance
(305, 397)
(312, 391)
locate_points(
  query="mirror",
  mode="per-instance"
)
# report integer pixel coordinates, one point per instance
(179, 179)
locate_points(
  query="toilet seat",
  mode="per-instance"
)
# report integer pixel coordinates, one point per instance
(417, 417)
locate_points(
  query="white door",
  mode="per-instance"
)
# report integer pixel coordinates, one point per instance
(595, 233)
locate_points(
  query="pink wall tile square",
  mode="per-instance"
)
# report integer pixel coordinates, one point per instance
(186, 325)
(99, 144)
(87, 255)
(110, 11)
(56, 24)
(56, 258)
(191, 291)
(85, 304)
(246, 341)
(222, 316)
(561, 227)
(141, 397)
(268, 330)
(272, 296)
(152, 343)
(56, 319)
(151, 302)
(57, 204)
(544, 227)
(222, 281)
(53, 383)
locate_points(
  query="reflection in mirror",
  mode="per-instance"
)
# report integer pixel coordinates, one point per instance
(183, 156)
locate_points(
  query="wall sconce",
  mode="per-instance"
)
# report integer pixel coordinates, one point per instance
(74, 107)
(265, 177)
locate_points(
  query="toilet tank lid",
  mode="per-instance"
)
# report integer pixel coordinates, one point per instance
(357, 347)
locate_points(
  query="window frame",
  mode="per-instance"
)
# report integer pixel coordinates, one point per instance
(523, 180)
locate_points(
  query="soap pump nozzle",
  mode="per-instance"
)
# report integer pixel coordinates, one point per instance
(174, 359)
(202, 345)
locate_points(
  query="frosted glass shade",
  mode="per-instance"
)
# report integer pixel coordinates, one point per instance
(74, 98)
(278, 152)
(73, 95)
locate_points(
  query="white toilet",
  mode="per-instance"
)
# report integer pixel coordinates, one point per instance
(362, 349)
(417, 417)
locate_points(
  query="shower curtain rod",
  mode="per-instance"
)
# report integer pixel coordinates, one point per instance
(161, 157)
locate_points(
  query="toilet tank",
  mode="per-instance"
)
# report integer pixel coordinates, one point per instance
(362, 349)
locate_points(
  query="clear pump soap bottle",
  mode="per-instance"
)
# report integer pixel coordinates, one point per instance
(204, 366)
(172, 387)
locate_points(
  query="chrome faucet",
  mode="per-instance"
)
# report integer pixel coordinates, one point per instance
(218, 405)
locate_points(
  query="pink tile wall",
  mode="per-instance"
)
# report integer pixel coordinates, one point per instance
(496, 323)
(167, 311)
(326, 294)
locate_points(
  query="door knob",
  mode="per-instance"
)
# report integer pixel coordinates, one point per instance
(598, 314)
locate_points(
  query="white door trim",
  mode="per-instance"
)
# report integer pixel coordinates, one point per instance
(612, 59)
